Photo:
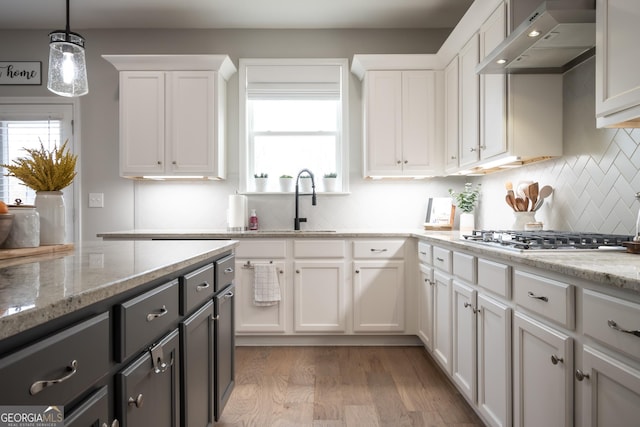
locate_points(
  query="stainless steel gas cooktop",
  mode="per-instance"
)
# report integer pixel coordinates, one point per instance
(547, 240)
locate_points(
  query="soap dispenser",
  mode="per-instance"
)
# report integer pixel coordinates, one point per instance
(253, 220)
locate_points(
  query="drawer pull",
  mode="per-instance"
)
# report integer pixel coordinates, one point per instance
(581, 375)
(534, 296)
(137, 402)
(153, 316)
(228, 295)
(556, 359)
(228, 270)
(378, 250)
(613, 325)
(38, 386)
(115, 423)
(467, 305)
(440, 259)
(422, 253)
(217, 317)
(202, 287)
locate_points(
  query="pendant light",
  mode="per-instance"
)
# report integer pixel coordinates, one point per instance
(67, 66)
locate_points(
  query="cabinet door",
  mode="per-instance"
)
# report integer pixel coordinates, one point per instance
(225, 348)
(463, 360)
(617, 77)
(196, 344)
(451, 116)
(142, 123)
(493, 90)
(149, 387)
(442, 319)
(469, 102)
(418, 122)
(253, 318)
(191, 113)
(93, 411)
(543, 369)
(494, 361)
(383, 123)
(611, 392)
(319, 292)
(378, 296)
(425, 307)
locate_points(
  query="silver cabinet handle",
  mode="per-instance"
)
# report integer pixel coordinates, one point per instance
(555, 359)
(153, 316)
(422, 253)
(613, 325)
(215, 317)
(137, 402)
(202, 287)
(467, 305)
(228, 270)
(581, 375)
(534, 296)
(378, 250)
(38, 386)
(228, 295)
(440, 259)
(471, 149)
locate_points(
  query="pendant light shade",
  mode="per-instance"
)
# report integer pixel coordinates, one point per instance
(67, 64)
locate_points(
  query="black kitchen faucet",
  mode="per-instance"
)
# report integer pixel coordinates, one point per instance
(297, 220)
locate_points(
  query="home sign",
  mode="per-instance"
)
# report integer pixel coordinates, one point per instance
(20, 72)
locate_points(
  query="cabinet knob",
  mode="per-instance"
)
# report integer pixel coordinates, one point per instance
(159, 162)
(406, 161)
(556, 359)
(137, 402)
(174, 162)
(357, 271)
(581, 375)
(467, 305)
(297, 271)
(483, 147)
(115, 423)
(398, 162)
(453, 157)
(472, 149)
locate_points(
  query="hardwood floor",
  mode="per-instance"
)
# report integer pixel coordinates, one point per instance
(342, 386)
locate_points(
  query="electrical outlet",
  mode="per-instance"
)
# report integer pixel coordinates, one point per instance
(96, 200)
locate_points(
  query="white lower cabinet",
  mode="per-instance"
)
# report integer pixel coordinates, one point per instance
(319, 296)
(543, 374)
(464, 339)
(425, 306)
(610, 391)
(378, 296)
(442, 319)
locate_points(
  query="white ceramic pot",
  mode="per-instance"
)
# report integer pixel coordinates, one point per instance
(50, 207)
(521, 219)
(261, 184)
(330, 184)
(467, 222)
(286, 185)
(25, 231)
(304, 185)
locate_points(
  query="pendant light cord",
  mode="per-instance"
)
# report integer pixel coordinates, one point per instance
(68, 26)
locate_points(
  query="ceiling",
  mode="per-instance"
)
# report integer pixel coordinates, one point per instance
(263, 14)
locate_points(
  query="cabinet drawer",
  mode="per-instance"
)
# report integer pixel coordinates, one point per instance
(546, 297)
(143, 319)
(464, 267)
(378, 249)
(225, 272)
(425, 251)
(442, 259)
(603, 317)
(59, 368)
(318, 248)
(259, 248)
(495, 277)
(94, 411)
(196, 287)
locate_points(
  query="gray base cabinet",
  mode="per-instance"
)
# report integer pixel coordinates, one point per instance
(224, 348)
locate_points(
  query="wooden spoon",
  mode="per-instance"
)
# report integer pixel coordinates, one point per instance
(545, 191)
(533, 194)
(511, 201)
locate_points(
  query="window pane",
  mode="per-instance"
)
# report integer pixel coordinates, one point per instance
(286, 155)
(294, 115)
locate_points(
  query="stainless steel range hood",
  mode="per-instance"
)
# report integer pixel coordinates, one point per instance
(565, 37)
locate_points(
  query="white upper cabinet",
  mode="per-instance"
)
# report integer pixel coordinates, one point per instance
(172, 115)
(451, 106)
(617, 60)
(469, 102)
(401, 127)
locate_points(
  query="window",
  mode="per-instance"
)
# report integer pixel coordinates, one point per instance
(295, 117)
(26, 126)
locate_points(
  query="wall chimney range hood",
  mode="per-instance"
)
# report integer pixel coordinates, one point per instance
(552, 40)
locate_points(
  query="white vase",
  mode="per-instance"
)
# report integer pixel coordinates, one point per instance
(522, 219)
(261, 184)
(304, 185)
(50, 207)
(467, 222)
(330, 184)
(286, 185)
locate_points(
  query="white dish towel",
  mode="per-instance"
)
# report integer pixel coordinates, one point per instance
(265, 285)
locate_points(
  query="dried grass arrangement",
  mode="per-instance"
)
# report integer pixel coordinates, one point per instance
(45, 170)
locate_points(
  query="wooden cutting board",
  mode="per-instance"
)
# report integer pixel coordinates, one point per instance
(40, 250)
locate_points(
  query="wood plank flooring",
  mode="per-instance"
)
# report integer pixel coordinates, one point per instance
(342, 386)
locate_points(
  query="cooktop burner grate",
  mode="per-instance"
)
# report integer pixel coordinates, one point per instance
(548, 239)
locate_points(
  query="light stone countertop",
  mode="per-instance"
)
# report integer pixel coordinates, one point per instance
(610, 268)
(36, 289)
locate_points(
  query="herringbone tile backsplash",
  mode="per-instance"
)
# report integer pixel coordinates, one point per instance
(594, 183)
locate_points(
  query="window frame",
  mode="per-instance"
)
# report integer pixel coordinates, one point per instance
(243, 117)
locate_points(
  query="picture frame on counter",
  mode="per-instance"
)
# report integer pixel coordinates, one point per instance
(20, 73)
(440, 213)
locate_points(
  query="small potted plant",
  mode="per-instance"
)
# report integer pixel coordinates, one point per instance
(261, 180)
(466, 200)
(330, 181)
(286, 183)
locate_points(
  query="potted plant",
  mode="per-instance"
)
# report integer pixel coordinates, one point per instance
(330, 181)
(261, 180)
(305, 184)
(47, 173)
(286, 183)
(466, 200)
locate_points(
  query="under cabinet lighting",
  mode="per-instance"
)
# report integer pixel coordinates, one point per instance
(534, 33)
